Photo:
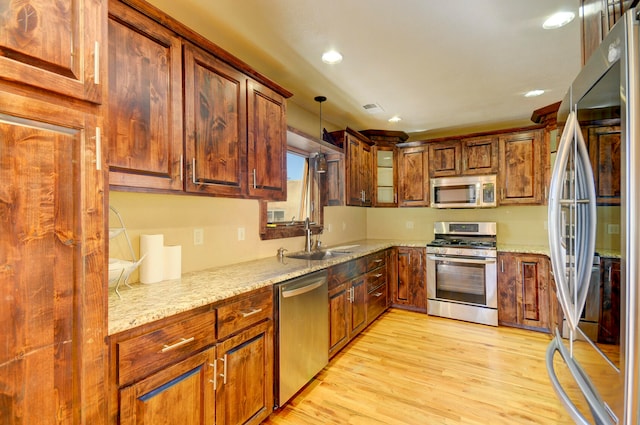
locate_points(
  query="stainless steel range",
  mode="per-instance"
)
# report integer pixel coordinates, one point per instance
(462, 272)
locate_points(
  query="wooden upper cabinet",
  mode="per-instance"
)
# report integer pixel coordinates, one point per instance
(480, 155)
(413, 176)
(604, 151)
(215, 125)
(54, 45)
(267, 143)
(521, 177)
(597, 18)
(444, 158)
(145, 102)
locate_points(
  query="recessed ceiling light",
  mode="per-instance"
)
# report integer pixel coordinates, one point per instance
(331, 57)
(558, 20)
(533, 93)
(395, 119)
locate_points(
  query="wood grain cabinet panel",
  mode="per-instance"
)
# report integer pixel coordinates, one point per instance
(597, 17)
(245, 376)
(480, 155)
(521, 179)
(413, 176)
(445, 158)
(180, 394)
(145, 102)
(267, 143)
(215, 125)
(409, 290)
(604, 152)
(609, 320)
(52, 295)
(524, 293)
(55, 45)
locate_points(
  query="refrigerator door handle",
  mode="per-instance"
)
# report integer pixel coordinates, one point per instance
(596, 406)
(572, 280)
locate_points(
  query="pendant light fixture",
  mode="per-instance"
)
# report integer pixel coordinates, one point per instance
(321, 159)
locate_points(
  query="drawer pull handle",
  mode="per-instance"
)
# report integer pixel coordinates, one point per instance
(252, 312)
(377, 294)
(378, 275)
(180, 343)
(379, 260)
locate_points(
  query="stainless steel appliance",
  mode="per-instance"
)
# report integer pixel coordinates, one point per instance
(463, 191)
(606, 92)
(303, 332)
(590, 317)
(462, 272)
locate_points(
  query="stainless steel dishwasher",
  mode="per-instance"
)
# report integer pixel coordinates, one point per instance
(303, 332)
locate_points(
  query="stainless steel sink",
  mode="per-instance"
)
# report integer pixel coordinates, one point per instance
(317, 255)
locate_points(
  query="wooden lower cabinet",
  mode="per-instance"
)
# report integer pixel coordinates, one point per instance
(180, 394)
(525, 298)
(357, 296)
(609, 317)
(244, 380)
(409, 283)
(175, 371)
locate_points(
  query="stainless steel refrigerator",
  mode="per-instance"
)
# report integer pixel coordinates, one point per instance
(597, 380)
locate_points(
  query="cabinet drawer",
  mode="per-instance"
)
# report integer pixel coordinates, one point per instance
(376, 278)
(376, 260)
(346, 271)
(376, 303)
(250, 309)
(145, 354)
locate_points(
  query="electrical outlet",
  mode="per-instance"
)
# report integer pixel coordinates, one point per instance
(613, 229)
(198, 236)
(240, 233)
(344, 226)
(409, 224)
(328, 227)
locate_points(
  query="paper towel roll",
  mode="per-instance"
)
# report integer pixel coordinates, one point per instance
(172, 262)
(152, 269)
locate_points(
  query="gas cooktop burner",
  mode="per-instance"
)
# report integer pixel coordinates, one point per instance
(463, 243)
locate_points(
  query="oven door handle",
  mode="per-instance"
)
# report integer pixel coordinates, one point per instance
(461, 260)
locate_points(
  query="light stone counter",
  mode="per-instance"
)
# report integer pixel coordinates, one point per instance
(144, 303)
(524, 249)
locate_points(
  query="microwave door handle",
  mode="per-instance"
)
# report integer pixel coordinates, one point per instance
(555, 221)
(586, 388)
(461, 260)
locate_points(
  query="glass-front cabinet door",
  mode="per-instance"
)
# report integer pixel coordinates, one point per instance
(385, 177)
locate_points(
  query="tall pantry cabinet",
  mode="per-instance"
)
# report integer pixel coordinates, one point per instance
(52, 293)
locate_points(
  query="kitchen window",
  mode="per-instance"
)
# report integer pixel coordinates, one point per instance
(285, 219)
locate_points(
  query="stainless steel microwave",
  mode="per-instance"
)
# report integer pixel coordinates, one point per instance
(464, 192)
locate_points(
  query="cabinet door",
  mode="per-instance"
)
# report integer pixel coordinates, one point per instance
(245, 376)
(54, 45)
(215, 125)
(52, 316)
(507, 284)
(604, 151)
(413, 177)
(267, 143)
(338, 325)
(332, 182)
(145, 102)
(358, 305)
(609, 321)
(444, 159)
(366, 174)
(354, 172)
(180, 394)
(533, 293)
(410, 289)
(597, 18)
(480, 155)
(521, 176)
(385, 177)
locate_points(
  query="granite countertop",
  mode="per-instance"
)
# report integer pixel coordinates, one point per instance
(144, 303)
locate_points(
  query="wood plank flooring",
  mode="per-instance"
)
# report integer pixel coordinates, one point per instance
(410, 368)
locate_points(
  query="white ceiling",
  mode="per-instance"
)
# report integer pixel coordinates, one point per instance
(436, 64)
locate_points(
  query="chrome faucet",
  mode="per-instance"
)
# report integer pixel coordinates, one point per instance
(307, 235)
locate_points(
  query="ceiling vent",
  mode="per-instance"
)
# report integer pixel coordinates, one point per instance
(373, 108)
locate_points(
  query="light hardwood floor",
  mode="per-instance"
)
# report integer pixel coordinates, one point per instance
(410, 368)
